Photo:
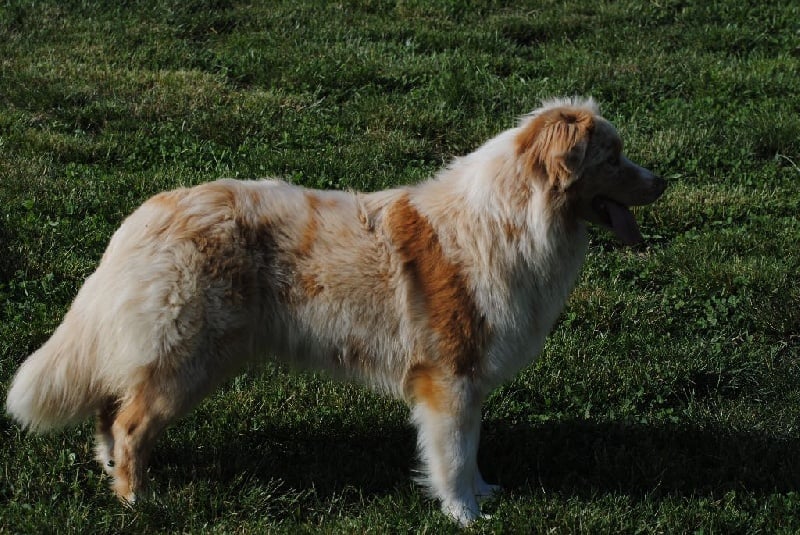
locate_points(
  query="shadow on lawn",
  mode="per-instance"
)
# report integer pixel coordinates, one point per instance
(374, 461)
(583, 458)
(574, 457)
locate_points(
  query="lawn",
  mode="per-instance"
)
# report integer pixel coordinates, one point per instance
(668, 396)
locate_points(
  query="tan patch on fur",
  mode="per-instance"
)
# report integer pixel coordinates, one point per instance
(451, 312)
(329, 203)
(511, 231)
(551, 140)
(141, 417)
(191, 213)
(307, 281)
(310, 285)
(522, 195)
(210, 217)
(425, 384)
(129, 467)
(255, 197)
(310, 232)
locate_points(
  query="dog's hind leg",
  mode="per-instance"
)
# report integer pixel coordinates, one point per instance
(104, 438)
(141, 418)
(447, 413)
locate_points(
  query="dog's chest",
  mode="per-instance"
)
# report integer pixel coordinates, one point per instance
(534, 302)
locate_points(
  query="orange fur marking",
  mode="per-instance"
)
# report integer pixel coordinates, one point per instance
(310, 232)
(310, 284)
(451, 312)
(141, 417)
(129, 466)
(550, 141)
(192, 213)
(512, 231)
(255, 198)
(424, 384)
(329, 203)
(307, 280)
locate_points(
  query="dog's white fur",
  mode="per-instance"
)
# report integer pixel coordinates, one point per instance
(434, 293)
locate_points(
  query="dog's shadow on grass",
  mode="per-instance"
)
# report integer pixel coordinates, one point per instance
(574, 457)
(372, 461)
(584, 458)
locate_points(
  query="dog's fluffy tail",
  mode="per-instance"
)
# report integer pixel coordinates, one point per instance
(75, 371)
(55, 386)
(135, 308)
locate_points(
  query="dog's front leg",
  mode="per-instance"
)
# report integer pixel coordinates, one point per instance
(447, 413)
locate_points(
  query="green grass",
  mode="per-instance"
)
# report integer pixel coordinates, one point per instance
(668, 397)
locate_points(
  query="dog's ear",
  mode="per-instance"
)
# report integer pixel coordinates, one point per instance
(555, 142)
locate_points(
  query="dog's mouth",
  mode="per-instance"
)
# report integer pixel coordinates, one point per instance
(618, 218)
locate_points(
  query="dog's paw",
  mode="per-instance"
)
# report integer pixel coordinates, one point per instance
(124, 493)
(129, 500)
(463, 512)
(104, 457)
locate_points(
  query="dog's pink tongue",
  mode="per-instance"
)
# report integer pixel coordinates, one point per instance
(623, 223)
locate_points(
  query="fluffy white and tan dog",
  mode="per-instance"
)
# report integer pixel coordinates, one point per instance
(434, 293)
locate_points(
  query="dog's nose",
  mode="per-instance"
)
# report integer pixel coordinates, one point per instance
(659, 184)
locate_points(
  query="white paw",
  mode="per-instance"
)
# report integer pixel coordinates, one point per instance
(103, 456)
(462, 512)
(124, 493)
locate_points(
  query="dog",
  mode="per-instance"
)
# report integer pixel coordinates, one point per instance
(434, 293)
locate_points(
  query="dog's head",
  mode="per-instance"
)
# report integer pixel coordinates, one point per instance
(578, 155)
